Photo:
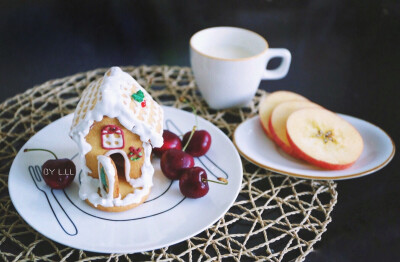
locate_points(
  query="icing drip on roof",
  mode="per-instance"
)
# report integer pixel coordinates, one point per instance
(111, 96)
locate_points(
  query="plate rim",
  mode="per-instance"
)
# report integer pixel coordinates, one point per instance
(131, 251)
(343, 177)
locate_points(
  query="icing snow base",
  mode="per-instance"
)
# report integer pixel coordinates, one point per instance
(90, 186)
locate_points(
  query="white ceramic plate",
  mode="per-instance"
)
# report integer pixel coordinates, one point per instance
(256, 147)
(166, 218)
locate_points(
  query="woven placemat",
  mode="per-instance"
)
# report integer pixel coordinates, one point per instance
(274, 218)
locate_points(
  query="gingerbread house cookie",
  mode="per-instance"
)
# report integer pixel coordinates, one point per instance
(115, 126)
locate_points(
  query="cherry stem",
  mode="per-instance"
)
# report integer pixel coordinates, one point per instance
(184, 100)
(195, 113)
(149, 83)
(40, 149)
(222, 181)
(190, 138)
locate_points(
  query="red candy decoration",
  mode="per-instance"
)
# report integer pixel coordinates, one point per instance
(109, 139)
(135, 153)
(143, 103)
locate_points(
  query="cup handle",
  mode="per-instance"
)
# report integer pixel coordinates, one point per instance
(283, 68)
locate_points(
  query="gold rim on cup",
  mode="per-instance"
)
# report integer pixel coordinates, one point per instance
(229, 59)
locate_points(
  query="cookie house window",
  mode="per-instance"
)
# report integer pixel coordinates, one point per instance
(112, 137)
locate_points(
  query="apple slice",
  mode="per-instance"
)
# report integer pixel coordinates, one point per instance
(277, 122)
(323, 138)
(270, 101)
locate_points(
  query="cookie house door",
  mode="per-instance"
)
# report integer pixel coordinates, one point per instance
(121, 161)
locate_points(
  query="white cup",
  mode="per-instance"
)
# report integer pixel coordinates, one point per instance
(229, 63)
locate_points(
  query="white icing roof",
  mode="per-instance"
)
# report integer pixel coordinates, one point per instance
(111, 96)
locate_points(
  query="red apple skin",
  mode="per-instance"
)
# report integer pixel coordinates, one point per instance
(265, 130)
(288, 149)
(316, 162)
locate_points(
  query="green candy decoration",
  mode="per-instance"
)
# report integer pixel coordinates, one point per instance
(138, 96)
(103, 178)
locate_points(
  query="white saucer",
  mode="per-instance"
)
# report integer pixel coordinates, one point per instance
(166, 218)
(255, 146)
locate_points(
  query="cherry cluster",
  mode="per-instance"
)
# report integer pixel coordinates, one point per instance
(178, 164)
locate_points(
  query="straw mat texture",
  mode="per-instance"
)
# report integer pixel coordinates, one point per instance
(275, 217)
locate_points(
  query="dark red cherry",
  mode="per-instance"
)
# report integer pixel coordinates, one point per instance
(173, 161)
(171, 140)
(57, 173)
(199, 144)
(193, 182)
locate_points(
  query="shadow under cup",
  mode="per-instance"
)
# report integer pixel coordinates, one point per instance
(228, 64)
